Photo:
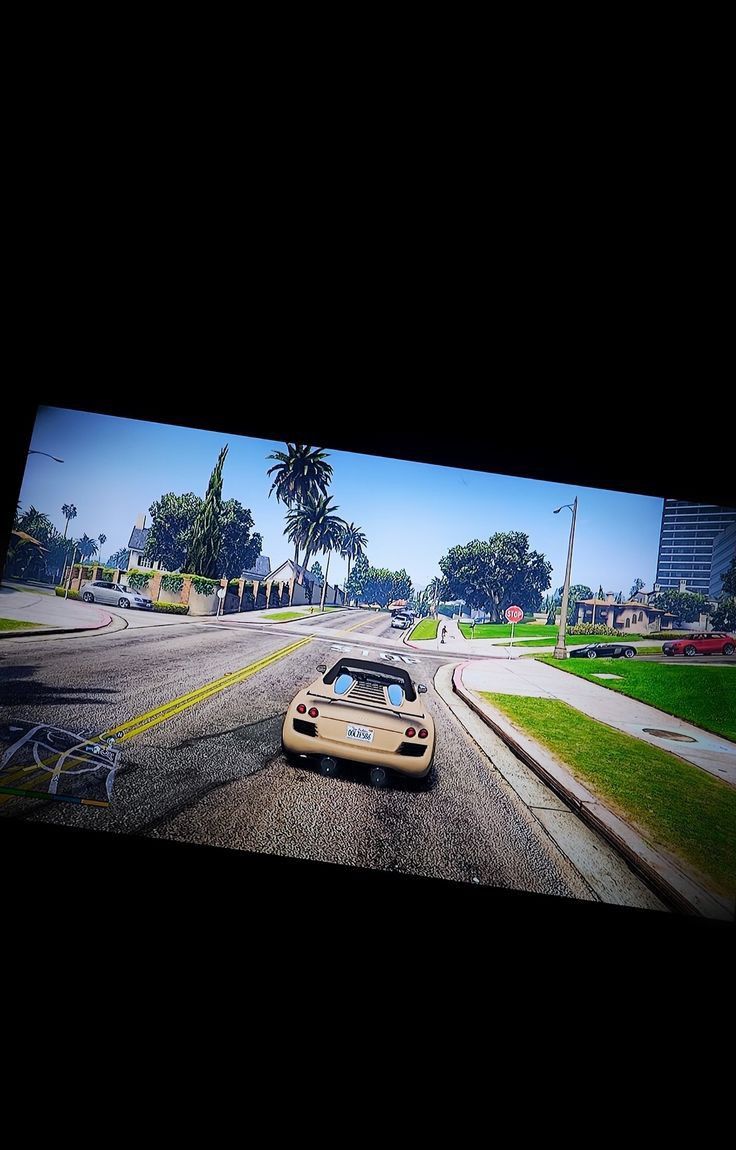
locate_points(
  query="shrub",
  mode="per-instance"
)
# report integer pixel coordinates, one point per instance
(669, 634)
(138, 580)
(72, 594)
(204, 586)
(171, 608)
(172, 583)
(595, 629)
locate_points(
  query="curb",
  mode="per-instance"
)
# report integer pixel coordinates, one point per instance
(675, 887)
(55, 630)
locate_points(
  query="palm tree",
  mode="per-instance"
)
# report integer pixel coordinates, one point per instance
(102, 540)
(435, 589)
(87, 547)
(69, 511)
(353, 544)
(300, 473)
(325, 535)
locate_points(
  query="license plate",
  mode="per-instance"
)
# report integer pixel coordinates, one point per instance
(360, 734)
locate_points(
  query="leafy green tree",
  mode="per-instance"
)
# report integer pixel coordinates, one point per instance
(724, 616)
(120, 559)
(379, 584)
(729, 580)
(636, 587)
(493, 574)
(172, 520)
(619, 597)
(204, 546)
(239, 549)
(578, 591)
(354, 543)
(686, 605)
(355, 586)
(316, 570)
(401, 587)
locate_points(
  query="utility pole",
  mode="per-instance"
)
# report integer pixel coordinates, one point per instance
(561, 649)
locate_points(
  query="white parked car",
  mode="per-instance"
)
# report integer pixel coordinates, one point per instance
(401, 622)
(114, 594)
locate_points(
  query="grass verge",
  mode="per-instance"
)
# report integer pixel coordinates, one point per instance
(672, 802)
(282, 616)
(19, 625)
(705, 696)
(425, 629)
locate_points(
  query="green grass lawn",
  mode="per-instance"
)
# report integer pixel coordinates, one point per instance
(503, 630)
(672, 802)
(425, 629)
(649, 650)
(705, 696)
(282, 616)
(18, 625)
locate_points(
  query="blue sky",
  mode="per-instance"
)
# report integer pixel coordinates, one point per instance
(411, 512)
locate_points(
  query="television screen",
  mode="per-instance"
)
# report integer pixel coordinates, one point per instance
(396, 666)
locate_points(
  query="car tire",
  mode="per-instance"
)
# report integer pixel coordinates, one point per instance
(378, 777)
(629, 653)
(669, 654)
(328, 766)
(122, 602)
(728, 649)
(592, 654)
(88, 597)
(690, 650)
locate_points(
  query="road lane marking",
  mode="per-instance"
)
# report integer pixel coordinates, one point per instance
(136, 726)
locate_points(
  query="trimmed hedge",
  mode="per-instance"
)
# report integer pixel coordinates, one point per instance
(71, 594)
(670, 634)
(138, 580)
(594, 629)
(172, 583)
(171, 608)
(204, 586)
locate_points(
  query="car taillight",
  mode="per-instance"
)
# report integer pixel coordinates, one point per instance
(301, 709)
(410, 732)
(423, 733)
(313, 712)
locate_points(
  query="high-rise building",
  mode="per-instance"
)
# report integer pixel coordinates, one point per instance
(724, 549)
(686, 543)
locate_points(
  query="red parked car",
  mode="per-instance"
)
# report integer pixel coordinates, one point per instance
(707, 643)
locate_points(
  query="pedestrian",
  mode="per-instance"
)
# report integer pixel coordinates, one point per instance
(472, 629)
(444, 632)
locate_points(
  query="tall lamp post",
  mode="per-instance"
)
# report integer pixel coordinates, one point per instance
(34, 452)
(561, 649)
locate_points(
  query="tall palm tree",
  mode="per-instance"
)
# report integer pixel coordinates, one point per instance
(353, 545)
(102, 539)
(326, 535)
(69, 511)
(300, 473)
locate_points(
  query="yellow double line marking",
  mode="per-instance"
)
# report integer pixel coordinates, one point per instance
(124, 731)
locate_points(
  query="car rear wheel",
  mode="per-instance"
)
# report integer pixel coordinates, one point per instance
(690, 650)
(728, 649)
(379, 778)
(123, 602)
(592, 654)
(88, 597)
(328, 765)
(669, 653)
(629, 652)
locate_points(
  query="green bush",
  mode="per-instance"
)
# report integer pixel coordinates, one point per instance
(204, 586)
(595, 629)
(172, 583)
(138, 580)
(171, 608)
(72, 594)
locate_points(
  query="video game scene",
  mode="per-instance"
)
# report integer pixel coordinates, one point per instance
(396, 666)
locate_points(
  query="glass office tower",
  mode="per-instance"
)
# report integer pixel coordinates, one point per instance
(686, 543)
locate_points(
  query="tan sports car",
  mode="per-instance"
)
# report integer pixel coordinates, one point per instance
(366, 712)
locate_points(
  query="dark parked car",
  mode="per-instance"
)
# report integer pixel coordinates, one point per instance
(705, 643)
(603, 651)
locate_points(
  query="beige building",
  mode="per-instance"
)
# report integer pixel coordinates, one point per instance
(630, 616)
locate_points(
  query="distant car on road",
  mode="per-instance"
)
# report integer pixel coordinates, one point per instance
(365, 712)
(603, 651)
(401, 622)
(705, 643)
(114, 594)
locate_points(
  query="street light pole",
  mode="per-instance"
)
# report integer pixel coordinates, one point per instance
(561, 649)
(34, 452)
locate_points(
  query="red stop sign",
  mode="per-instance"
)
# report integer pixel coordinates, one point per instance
(514, 614)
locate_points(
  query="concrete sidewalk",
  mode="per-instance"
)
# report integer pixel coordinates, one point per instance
(55, 613)
(456, 644)
(712, 753)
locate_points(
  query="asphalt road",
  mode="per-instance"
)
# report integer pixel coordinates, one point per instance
(213, 772)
